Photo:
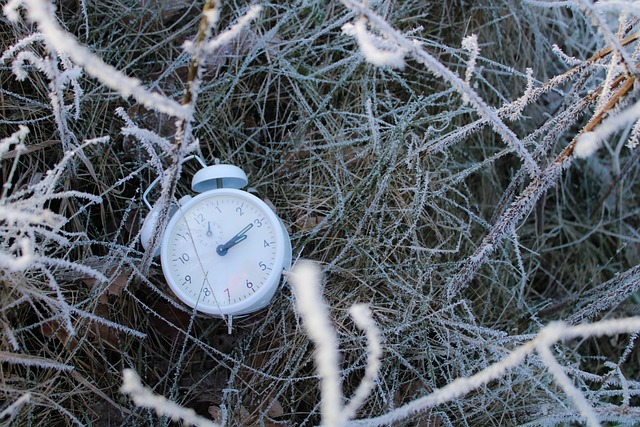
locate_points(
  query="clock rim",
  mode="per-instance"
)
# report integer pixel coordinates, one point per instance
(263, 295)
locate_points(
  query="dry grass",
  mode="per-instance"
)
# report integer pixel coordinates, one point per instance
(384, 176)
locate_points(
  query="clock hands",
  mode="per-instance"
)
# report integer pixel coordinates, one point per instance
(242, 235)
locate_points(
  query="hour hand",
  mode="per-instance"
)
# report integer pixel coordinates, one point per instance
(239, 237)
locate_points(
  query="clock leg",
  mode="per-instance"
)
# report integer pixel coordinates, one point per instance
(229, 324)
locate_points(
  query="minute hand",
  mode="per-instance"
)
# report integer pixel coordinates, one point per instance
(239, 237)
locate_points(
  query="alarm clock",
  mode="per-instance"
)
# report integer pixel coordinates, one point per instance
(224, 250)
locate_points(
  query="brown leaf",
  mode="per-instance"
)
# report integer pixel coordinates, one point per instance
(309, 222)
(53, 328)
(275, 410)
(119, 282)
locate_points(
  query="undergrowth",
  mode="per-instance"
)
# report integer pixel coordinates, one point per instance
(468, 170)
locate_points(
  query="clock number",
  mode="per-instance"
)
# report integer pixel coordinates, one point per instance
(250, 286)
(187, 279)
(258, 223)
(183, 258)
(263, 266)
(239, 210)
(228, 293)
(206, 291)
(199, 218)
(266, 244)
(184, 236)
(218, 208)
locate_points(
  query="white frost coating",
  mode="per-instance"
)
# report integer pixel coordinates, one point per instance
(470, 44)
(599, 20)
(589, 142)
(551, 334)
(12, 409)
(143, 397)
(634, 138)
(59, 80)
(16, 138)
(213, 16)
(563, 380)
(28, 360)
(519, 104)
(376, 50)
(235, 30)
(405, 46)
(42, 13)
(569, 60)
(18, 262)
(22, 44)
(306, 281)
(362, 317)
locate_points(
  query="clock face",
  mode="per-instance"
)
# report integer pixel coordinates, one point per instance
(223, 252)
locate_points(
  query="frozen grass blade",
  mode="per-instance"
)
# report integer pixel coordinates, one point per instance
(34, 361)
(10, 411)
(141, 396)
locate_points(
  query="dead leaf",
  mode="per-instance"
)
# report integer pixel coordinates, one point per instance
(242, 417)
(117, 285)
(53, 329)
(308, 222)
(275, 410)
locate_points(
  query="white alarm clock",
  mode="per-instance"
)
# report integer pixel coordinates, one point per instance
(224, 250)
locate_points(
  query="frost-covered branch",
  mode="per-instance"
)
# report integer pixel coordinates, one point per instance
(548, 179)
(566, 383)
(551, 334)
(9, 412)
(58, 80)
(609, 36)
(362, 317)
(307, 282)
(144, 397)
(41, 12)
(589, 142)
(407, 47)
(184, 142)
(470, 44)
(503, 226)
(234, 31)
(606, 295)
(376, 50)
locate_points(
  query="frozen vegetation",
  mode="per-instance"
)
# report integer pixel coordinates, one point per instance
(458, 179)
